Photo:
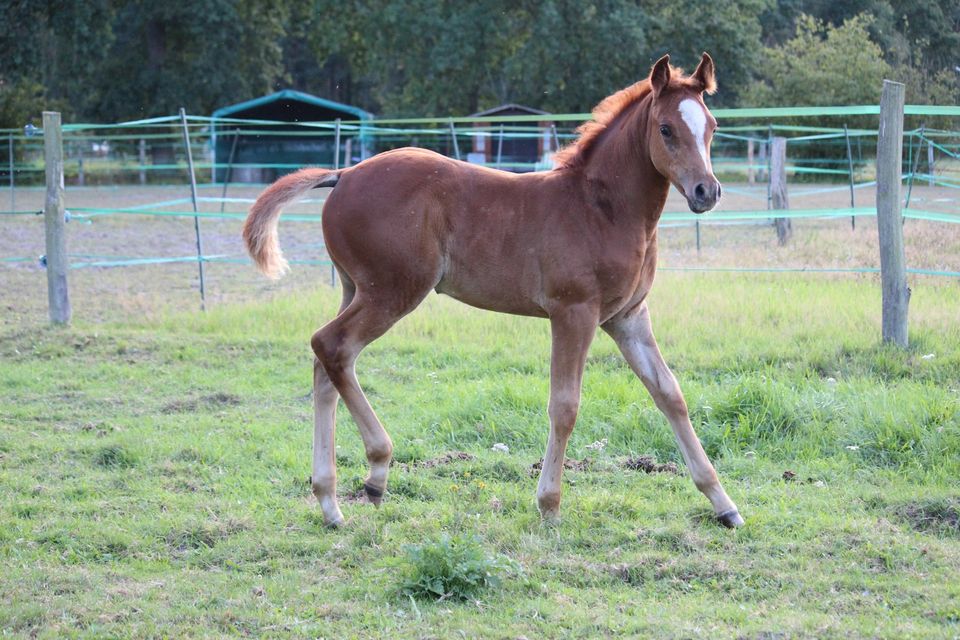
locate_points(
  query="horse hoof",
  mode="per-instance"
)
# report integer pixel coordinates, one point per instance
(374, 494)
(730, 519)
(550, 518)
(335, 524)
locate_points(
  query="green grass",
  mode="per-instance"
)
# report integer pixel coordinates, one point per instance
(154, 475)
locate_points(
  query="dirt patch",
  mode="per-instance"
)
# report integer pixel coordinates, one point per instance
(568, 463)
(935, 516)
(214, 401)
(447, 458)
(649, 464)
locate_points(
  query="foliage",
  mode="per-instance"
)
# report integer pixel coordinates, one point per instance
(822, 65)
(453, 567)
(729, 31)
(169, 55)
(448, 58)
(118, 59)
(21, 103)
(919, 39)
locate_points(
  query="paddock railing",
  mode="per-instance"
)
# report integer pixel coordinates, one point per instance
(831, 169)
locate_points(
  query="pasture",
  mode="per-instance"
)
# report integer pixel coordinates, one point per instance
(154, 461)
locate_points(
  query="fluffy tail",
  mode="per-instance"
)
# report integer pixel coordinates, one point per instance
(260, 229)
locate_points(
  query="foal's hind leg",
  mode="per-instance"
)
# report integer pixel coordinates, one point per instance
(337, 346)
(325, 396)
(634, 335)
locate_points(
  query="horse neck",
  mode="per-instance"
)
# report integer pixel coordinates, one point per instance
(620, 167)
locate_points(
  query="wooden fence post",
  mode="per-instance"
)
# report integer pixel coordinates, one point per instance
(778, 188)
(896, 294)
(750, 172)
(54, 215)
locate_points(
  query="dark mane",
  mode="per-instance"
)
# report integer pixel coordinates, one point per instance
(606, 112)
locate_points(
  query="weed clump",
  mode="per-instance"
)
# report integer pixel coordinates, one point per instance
(114, 457)
(453, 567)
(755, 414)
(936, 516)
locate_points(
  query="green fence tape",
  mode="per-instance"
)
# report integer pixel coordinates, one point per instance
(733, 113)
(921, 272)
(89, 212)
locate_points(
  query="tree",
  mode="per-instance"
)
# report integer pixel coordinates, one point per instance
(57, 47)
(821, 65)
(729, 31)
(168, 55)
(440, 57)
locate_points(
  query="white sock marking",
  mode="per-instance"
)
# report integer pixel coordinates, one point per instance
(696, 120)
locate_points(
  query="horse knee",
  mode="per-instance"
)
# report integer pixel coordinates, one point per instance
(669, 398)
(563, 413)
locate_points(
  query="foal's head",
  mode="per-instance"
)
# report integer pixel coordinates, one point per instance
(681, 129)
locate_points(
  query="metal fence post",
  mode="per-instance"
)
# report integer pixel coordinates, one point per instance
(896, 294)
(500, 147)
(13, 197)
(766, 150)
(846, 134)
(193, 196)
(914, 163)
(336, 145)
(229, 170)
(453, 136)
(54, 214)
(81, 179)
(143, 160)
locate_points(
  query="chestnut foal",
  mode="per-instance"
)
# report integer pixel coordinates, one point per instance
(576, 245)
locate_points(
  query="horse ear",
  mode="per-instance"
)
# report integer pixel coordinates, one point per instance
(660, 74)
(705, 74)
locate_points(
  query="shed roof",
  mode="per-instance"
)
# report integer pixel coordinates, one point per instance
(510, 106)
(295, 96)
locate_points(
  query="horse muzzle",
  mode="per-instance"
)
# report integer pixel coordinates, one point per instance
(703, 196)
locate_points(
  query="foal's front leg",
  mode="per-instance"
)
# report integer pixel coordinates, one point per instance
(634, 335)
(573, 329)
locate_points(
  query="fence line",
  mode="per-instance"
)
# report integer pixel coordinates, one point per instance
(119, 151)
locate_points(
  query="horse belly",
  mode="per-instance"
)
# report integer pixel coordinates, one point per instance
(495, 285)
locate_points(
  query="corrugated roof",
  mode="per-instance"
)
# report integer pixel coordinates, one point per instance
(508, 107)
(299, 96)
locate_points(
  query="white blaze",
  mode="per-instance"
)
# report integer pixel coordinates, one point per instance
(696, 120)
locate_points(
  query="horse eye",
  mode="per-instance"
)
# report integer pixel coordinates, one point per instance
(665, 131)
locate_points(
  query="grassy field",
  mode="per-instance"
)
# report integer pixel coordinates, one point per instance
(154, 473)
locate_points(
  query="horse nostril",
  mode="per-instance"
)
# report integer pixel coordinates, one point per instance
(700, 191)
(719, 191)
